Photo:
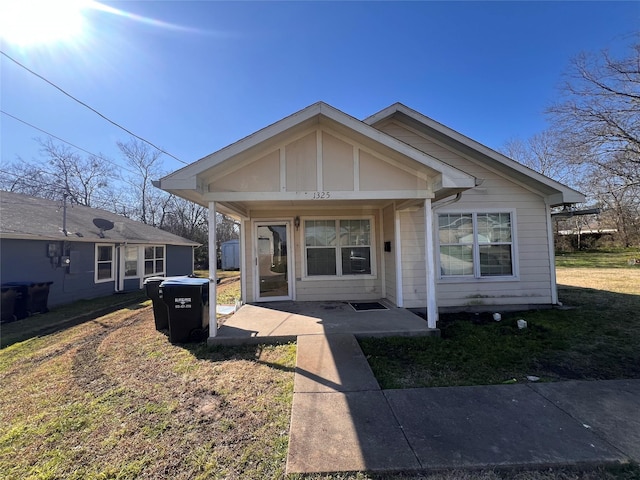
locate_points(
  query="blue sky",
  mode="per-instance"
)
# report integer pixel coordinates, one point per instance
(193, 77)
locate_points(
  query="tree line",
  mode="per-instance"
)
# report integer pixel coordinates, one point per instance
(126, 189)
(593, 142)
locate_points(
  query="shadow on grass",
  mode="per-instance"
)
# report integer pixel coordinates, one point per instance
(68, 316)
(252, 353)
(596, 336)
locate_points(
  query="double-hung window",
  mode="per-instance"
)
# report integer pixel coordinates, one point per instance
(476, 245)
(104, 271)
(338, 247)
(154, 260)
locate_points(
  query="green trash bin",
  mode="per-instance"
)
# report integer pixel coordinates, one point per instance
(187, 301)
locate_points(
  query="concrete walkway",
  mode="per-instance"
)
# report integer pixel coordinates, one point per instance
(342, 421)
(278, 322)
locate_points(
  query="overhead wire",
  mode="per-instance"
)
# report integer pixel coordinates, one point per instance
(91, 108)
(101, 157)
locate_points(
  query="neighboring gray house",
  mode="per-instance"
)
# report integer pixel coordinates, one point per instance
(396, 207)
(90, 253)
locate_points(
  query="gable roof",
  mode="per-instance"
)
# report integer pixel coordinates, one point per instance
(557, 192)
(31, 218)
(187, 182)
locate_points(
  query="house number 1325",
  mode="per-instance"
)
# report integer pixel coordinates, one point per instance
(321, 195)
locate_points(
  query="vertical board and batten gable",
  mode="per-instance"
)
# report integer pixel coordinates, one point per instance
(532, 285)
(318, 160)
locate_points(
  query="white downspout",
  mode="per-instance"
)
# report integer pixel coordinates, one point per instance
(552, 255)
(213, 265)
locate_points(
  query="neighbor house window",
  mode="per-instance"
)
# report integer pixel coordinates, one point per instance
(154, 260)
(131, 261)
(104, 263)
(476, 245)
(338, 247)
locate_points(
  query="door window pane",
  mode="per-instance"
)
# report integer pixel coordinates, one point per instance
(130, 261)
(273, 261)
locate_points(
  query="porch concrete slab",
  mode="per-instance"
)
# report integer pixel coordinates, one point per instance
(332, 363)
(342, 432)
(284, 321)
(609, 408)
(488, 426)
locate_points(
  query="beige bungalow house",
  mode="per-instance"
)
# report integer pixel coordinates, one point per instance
(396, 207)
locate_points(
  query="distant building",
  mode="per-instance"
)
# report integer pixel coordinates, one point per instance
(85, 252)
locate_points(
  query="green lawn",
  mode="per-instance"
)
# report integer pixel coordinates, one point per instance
(598, 259)
(595, 336)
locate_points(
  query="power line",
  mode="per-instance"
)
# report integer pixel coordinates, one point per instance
(92, 109)
(101, 157)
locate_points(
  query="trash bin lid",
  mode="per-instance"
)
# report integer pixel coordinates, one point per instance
(19, 284)
(161, 279)
(184, 281)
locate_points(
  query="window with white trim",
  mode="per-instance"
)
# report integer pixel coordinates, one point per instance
(338, 247)
(476, 245)
(154, 260)
(104, 271)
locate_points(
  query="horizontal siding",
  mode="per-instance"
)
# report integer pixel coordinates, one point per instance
(388, 235)
(414, 272)
(496, 192)
(365, 289)
(26, 260)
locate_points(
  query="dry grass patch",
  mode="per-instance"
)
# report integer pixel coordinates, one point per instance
(626, 281)
(113, 398)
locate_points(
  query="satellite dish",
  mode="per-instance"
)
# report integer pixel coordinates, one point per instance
(103, 225)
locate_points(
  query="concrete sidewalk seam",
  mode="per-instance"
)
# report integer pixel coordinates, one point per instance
(401, 427)
(595, 432)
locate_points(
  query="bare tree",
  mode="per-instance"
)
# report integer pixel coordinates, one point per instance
(147, 204)
(543, 154)
(598, 114)
(84, 179)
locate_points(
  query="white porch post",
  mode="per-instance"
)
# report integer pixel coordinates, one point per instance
(429, 258)
(213, 265)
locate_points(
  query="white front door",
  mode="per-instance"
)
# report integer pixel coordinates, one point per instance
(272, 246)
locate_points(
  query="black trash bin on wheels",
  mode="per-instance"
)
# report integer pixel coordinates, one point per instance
(9, 296)
(187, 301)
(39, 297)
(160, 311)
(31, 298)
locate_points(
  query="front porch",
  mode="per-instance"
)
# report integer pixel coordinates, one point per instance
(277, 322)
